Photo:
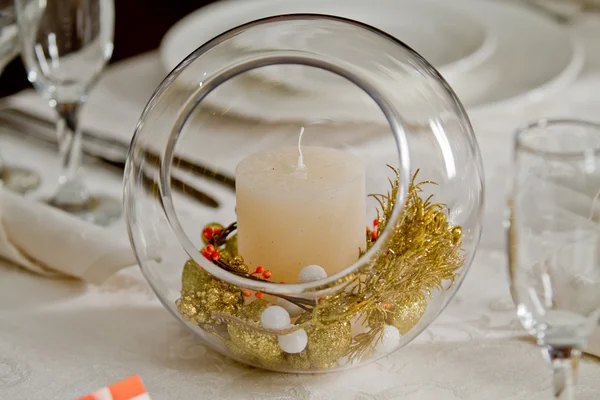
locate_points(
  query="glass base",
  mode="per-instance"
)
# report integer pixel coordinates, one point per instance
(99, 210)
(20, 180)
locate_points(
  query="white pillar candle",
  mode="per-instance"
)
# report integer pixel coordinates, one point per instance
(292, 213)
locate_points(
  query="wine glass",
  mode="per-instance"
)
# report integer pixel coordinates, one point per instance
(65, 44)
(554, 240)
(14, 178)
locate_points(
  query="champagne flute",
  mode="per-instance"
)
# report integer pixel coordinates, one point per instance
(65, 44)
(554, 240)
(14, 178)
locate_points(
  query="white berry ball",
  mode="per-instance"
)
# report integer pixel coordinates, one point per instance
(312, 273)
(275, 317)
(290, 307)
(389, 341)
(294, 342)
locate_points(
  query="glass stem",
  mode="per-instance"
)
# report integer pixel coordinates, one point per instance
(564, 361)
(71, 192)
(2, 165)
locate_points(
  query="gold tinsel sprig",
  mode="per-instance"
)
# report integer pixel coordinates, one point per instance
(423, 252)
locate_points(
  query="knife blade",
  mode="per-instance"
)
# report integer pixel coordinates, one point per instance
(112, 156)
(98, 144)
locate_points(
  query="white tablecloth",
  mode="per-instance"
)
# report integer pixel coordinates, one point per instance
(61, 339)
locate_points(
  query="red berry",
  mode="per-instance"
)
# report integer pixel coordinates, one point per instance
(266, 274)
(374, 235)
(246, 293)
(258, 270)
(259, 295)
(207, 233)
(375, 222)
(215, 256)
(205, 253)
(217, 231)
(210, 249)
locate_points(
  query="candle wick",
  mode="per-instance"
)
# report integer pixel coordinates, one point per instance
(300, 165)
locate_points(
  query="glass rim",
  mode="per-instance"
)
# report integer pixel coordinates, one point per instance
(395, 122)
(544, 123)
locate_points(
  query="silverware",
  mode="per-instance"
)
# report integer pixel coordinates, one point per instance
(110, 152)
(102, 145)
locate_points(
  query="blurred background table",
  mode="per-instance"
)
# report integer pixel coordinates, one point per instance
(139, 27)
(62, 339)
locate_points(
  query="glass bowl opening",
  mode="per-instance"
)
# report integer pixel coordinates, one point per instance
(296, 144)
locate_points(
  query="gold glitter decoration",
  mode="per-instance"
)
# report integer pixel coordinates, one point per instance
(423, 253)
(245, 340)
(190, 309)
(239, 352)
(202, 295)
(407, 313)
(254, 310)
(193, 278)
(271, 362)
(327, 344)
(237, 264)
(297, 362)
(232, 263)
(303, 318)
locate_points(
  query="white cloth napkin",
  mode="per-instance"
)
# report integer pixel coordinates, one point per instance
(52, 243)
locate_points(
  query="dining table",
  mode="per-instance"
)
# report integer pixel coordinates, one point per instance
(61, 338)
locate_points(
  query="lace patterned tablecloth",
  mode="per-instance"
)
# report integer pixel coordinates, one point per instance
(61, 339)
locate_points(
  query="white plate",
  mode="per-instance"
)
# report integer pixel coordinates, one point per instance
(451, 40)
(525, 56)
(534, 56)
